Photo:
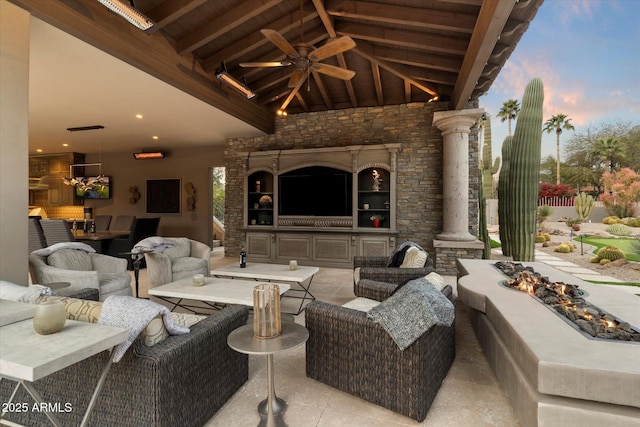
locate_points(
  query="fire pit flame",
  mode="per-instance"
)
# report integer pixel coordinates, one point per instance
(566, 300)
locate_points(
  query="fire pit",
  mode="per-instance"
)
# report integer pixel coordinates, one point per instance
(567, 300)
(552, 374)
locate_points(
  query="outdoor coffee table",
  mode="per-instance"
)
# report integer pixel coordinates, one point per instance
(275, 273)
(214, 292)
(243, 340)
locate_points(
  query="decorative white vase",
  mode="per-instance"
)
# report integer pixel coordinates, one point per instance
(50, 317)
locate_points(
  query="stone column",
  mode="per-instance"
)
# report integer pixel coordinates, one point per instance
(455, 127)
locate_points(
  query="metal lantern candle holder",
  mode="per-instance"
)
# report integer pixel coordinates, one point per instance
(266, 311)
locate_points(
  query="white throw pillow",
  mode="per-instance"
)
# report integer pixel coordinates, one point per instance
(414, 258)
(361, 304)
(436, 280)
(356, 275)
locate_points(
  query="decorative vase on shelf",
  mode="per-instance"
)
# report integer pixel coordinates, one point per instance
(49, 318)
(377, 181)
(376, 222)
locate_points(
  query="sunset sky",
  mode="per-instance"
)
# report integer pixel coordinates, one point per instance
(587, 53)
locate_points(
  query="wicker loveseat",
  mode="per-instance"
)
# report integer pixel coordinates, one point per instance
(182, 380)
(351, 352)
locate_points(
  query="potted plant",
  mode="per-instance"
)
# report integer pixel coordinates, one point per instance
(376, 219)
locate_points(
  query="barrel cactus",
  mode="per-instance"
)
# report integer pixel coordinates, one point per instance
(540, 238)
(618, 229)
(611, 253)
(524, 173)
(564, 248)
(584, 205)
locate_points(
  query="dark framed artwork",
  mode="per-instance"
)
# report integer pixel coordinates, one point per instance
(163, 196)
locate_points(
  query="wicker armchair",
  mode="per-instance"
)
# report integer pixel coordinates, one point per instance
(183, 380)
(375, 268)
(352, 353)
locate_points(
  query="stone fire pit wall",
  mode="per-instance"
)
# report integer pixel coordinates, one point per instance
(552, 374)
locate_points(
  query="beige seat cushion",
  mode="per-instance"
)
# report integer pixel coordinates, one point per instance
(70, 259)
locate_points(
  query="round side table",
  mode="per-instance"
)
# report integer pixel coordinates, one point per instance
(242, 340)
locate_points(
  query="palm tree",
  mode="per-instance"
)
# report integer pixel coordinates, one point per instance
(557, 123)
(509, 111)
(607, 149)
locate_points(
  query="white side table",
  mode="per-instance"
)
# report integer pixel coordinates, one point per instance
(243, 341)
(26, 356)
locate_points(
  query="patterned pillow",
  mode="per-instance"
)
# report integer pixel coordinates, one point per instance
(156, 332)
(77, 309)
(436, 280)
(414, 258)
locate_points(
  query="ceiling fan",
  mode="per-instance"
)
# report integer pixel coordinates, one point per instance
(305, 59)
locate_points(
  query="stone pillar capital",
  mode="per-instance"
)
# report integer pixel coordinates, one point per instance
(459, 121)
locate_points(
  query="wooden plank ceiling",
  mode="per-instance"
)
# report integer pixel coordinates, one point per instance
(405, 50)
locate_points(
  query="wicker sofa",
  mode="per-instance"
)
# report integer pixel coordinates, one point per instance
(182, 380)
(375, 268)
(351, 352)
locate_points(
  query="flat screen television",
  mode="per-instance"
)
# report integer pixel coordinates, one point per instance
(93, 187)
(315, 191)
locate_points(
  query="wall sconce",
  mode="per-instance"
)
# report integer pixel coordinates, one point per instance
(147, 155)
(241, 87)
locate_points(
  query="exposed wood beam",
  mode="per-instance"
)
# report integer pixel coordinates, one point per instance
(303, 104)
(167, 12)
(154, 54)
(364, 49)
(375, 71)
(491, 21)
(407, 92)
(419, 59)
(407, 39)
(219, 26)
(418, 17)
(328, 25)
(322, 89)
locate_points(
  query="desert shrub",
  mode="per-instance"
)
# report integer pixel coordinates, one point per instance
(634, 222)
(611, 220)
(618, 229)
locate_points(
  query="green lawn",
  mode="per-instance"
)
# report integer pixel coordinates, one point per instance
(624, 244)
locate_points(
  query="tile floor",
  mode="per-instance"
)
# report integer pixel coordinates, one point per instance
(469, 396)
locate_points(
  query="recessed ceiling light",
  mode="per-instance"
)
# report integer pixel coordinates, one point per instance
(64, 144)
(138, 116)
(39, 150)
(154, 137)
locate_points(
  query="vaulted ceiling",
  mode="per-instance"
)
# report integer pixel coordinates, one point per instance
(405, 50)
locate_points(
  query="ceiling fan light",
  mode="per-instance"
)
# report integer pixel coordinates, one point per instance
(129, 13)
(148, 155)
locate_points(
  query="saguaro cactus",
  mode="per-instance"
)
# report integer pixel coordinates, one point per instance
(503, 197)
(524, 172)
(584, 205)
(487, 170)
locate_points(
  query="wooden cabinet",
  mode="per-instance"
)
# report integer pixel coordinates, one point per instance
(55, 167)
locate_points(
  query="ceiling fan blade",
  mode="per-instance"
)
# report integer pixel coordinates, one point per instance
(282, 43)
(333, 47)
(295, 77)
(293, 92)
(333, 71)
(265, 64)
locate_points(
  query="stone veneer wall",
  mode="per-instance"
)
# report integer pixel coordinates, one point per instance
(419, 162)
